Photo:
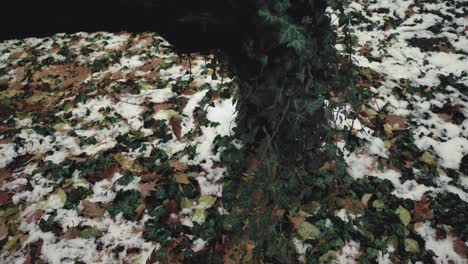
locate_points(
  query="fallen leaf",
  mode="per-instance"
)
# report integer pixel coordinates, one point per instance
(396, 122)
(421, 209)
(124, 161)
(3, 230)
(177, 165)
(34, 216)
(146, 188)
(328, 257)
(296, 220)
(139, 211)
(351, 205)
(428, 158)
(248, 246)
(92, 209)
(5, 197)
(206, 201)
(460, 248)
(175, 123)
(411, 245)
(329, 165)
(162, 106)
(182, 178)
(365, 199)
(409, 12)
(71, 233)
(4, 174)
(404, 215)
(308, 231)
(364, 50)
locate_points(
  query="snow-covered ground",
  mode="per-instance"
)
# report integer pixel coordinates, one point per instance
(412, 126)
(110, 146)
(100, 135)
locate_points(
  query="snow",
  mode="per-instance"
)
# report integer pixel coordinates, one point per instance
(442, 248)
(349, 253)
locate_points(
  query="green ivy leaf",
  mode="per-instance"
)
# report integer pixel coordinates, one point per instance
(293, 37)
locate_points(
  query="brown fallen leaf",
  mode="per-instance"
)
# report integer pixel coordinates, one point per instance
(176, 126)
(5, 197)
(351, 205)
(146, 188)
(182, 178)
(177, 165)
(460, 248)
(329, 165)
(92, 209)
(296, 220)
(139, 211)
(364, 50)
(162, 106)
(34, 252)
(422, 211)
(409, 12)
(3, 230)
(34, 216)
(397, 123)
(71, 233)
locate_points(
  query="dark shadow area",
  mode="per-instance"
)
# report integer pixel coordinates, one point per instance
(191, 26)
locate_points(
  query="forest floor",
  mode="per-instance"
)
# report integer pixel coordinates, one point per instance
(110, 146)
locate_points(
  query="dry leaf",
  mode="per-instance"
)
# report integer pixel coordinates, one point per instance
(139, 211)
(34, 217)
(364, 50)
(3, 230)
(409, 12)
(4, 174)
(5, 197)
(297, 220)
(162, 106)
(396, 122)
(351, 205)
(92, 209)
(460, 248)
(329, 165)
(182, 178)
(177, 165)
(421, 209)
(71, 233)
(146, 188)
(176, 126)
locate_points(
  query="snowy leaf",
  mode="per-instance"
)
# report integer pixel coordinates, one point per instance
(206, 201)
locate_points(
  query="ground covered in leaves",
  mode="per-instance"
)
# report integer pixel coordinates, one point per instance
(111, 149)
